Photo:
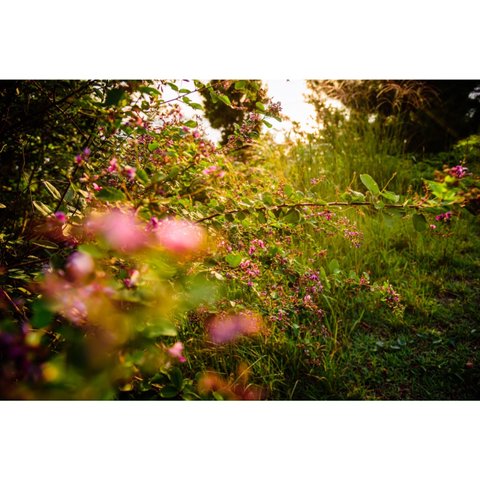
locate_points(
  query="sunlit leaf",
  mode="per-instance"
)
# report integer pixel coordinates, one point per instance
(260, 106)
(153, 146)
(53, 191)
(110, 194)
(370, 183)
(234, 259)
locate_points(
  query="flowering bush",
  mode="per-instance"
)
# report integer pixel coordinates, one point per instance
(160, 253)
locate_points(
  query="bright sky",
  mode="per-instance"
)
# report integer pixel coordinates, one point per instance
(288, 92)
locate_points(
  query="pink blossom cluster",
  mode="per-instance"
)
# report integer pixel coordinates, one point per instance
(254, 244)
(444, 217)
(121, 231)
(75, 291)
(458, 171)
(214, 169)
(79, 159)
(250, 268)
(179, 237)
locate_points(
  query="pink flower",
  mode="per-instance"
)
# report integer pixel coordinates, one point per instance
(79, 266)
(96, 187)
(132, 280)
(130, 172)
(61, 217)
(113, 165)
(122, 231)
(180, 237)
(227, 328)
(176, 352)
(459, 171)
(209, 170)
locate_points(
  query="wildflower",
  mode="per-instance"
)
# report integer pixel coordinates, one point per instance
(132, 280)
(153, 224)
(180, 237)
(113, 165)
(130, 172)
(86, 152)
(250, 268)
(432, 226)
(176, 352)
(96, 187)
(80, 266)
(254, 244)
(121, 231)
(458, 171)
(61, 217)
(211, 169)
(444, 217)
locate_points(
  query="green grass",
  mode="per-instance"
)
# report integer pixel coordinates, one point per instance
(429, 349)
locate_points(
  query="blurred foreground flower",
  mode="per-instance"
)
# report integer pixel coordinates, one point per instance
(180, 237)
(227, 328)
(122, 231)
(238, 389)
(176, 352)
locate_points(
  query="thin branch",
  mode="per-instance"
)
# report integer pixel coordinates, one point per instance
(309, 204)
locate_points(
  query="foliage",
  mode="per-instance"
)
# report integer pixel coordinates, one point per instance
(232, 103)
(145, 262)
(432, 115)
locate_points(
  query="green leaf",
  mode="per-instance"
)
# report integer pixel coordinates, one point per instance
(269, 125)
(110, 194)
(370, 183)
(53, 191)
(419, 222)
(292, 216)
(142, 176)
(42, 315)
(288, 190)
(225, 99)
(45, 244)
(260, 106)
(334, 266)
(196, 106)
(172, 86)
(240, 85)
(176, 377)
(153, 146)
(357, 196)
(393, 197)
(149, 90)
(114, 96)
(169, 391)
(42, 208)
(191, 123)
(234, 259)
(438, 189)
